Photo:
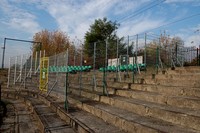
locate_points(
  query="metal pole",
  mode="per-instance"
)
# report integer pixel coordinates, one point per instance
(159, 48)
(106, 53)
(25, 72)
(145, 52)
(157, 59)
(21, 68)
(133, 74)
(94, 72)
(136, 50)
(127, 61)
(0, 93)
(117, 65)
(66, 84)
(80, 81)
(197, 56)
(15, 69)
(74, 56)
(43, 61)
(31, 64)
(4, 48)
(35, 61)
(8, 83)
(105, 68)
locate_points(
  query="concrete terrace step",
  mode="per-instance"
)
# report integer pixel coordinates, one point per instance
(172, 82)
(184, 71)
(177, 101)
(126, 120)
(193, 76)
(93, 123)
(167, 113)
(80, 120)
(19, 118)
(49, 120)
(168, 90)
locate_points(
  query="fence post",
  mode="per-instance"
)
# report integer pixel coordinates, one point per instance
(117, 65)
(197, 56)
(15, 69)
(66, 84)
(80, 76)
(104, 71)
(157, 59)
(133, 73)
(8, 83)
(94, 72)
(127, 62)
(145, 48)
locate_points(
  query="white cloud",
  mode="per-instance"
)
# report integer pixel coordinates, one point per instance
(193, 40)
(75, 18)
(18, 18)
(138, 26)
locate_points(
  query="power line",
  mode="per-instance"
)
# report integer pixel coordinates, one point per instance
(135, 11)
(188, 17)
(180, 20)
(140, 11)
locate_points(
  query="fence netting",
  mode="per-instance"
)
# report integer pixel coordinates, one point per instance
(124, 60)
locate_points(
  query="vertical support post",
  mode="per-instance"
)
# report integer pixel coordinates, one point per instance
(197, 56)
(40, 58)
(15, 69)
(157, 59)
(43, 61)
(8, 83)
(104, 72)
(4, 48)
(31, 64)
(138, 69)
(136, 49)
(133, 70)
(21, 69)
(81, 63)
(127, 62)
(145, 50)
(35, 61)
(25, 72)
(94, 71)
(0, 94)
(117, 65)
(74, 56)
(66, 84)
(176, 50)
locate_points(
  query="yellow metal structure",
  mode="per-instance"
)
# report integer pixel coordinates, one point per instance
(44, 70)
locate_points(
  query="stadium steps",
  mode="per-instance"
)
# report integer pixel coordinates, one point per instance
(53, 117)
(126, 120)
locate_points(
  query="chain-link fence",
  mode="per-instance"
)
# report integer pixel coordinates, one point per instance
(23, 66)
(108, 62)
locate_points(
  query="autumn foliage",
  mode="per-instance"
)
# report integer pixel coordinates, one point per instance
(53, 42)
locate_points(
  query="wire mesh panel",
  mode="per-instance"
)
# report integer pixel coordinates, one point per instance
(20, 68)
(57, 68)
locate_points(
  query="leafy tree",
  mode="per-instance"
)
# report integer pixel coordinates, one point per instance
(52, 42)
(101, 31)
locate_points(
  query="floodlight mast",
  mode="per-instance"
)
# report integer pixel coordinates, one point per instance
(19, 40)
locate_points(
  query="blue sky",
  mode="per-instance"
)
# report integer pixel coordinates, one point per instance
(23, 18)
